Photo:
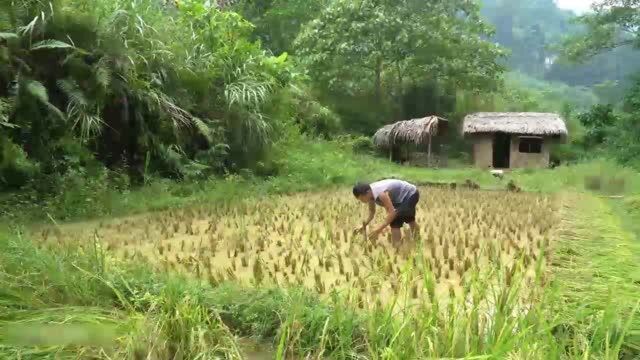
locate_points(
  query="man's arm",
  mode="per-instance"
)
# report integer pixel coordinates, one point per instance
(391, 212)
(372, 213)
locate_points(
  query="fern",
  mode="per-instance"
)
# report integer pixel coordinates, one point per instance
(6, 108)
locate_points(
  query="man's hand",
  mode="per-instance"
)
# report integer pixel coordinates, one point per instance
(360, 229)
(374, 234)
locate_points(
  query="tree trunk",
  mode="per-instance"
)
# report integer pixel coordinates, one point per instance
(400, 104)
(379, 80)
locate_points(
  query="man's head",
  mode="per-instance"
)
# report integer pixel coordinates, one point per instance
(362, 192)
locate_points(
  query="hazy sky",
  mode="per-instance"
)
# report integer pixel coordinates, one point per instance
(576, 5)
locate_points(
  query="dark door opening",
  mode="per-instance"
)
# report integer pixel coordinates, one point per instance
(501, 150)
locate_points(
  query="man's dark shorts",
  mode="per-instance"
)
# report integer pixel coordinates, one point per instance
(406, 211)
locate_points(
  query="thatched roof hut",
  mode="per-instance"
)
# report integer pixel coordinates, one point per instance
(541, 124)
(513, 140)
(415, 131)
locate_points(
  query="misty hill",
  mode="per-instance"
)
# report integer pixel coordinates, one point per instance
(533, 29)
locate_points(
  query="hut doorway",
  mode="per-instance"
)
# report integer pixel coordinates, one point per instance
(501, 150)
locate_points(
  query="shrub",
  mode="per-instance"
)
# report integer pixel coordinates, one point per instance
(15, 169)
(593, 182)
(362, 145)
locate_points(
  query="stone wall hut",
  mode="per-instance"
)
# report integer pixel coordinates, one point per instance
(513, 140)
(409, 139)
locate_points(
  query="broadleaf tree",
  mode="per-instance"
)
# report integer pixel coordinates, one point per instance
(381, 47)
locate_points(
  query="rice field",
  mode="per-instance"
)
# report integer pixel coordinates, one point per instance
(472, 247)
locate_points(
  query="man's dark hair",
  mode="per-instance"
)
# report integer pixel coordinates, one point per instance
(361, 189)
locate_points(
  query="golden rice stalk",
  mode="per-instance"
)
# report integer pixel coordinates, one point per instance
(356, 268)
(287, 259)
(231, 275)
(258, 274)
(328, 264)
(340, 264)
(320, 288)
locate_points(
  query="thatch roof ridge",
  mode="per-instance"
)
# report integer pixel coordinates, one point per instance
(415, 131)
(533, 123)
(382, 137)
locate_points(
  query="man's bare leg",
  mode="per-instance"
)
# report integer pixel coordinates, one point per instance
(396, 236)
(415, 230)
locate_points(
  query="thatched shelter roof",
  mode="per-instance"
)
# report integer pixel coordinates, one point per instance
(526, 123)
(382, 136)
(415, 131)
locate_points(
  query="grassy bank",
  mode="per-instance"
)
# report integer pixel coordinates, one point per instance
(309, 166)
(596, 270)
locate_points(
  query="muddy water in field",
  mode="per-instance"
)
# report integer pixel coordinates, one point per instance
(306, 239)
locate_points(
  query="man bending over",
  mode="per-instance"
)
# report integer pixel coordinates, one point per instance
(398, 197)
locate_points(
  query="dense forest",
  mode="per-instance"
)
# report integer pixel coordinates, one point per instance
(534, 32)
(192, 89)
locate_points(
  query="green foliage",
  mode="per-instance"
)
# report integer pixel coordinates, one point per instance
(624, 135)
(15, 168)
(533, 32)
(312, 117)
(612, 25)
(130, 80)
(598, 123)
(366, 54)
(363, 145)
(278, 22)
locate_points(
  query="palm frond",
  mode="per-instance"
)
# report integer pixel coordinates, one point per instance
(8, 35)
(88, 123)
(36, 89)
(254, 128)
(248, 93)
(103, 74)
(30, 27)
(51, 44)
(73, 92)
(204, 129)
